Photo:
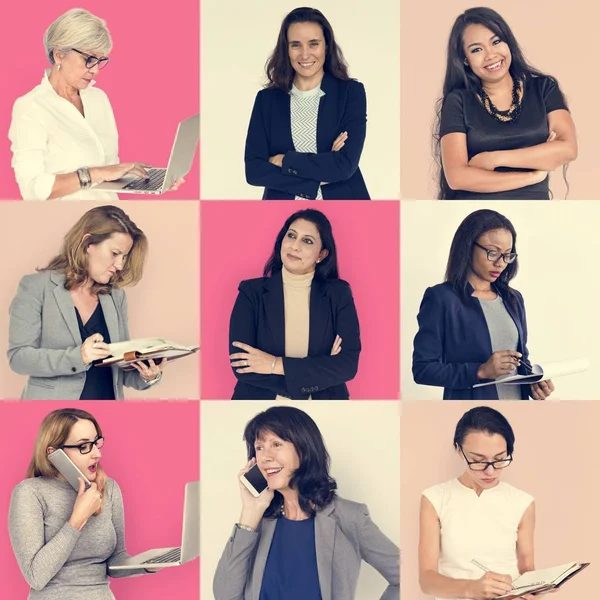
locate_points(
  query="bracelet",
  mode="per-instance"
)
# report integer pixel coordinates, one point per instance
(273, 365)
(245, 528)
(85, 179)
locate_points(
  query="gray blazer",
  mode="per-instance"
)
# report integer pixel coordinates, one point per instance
(44, 340)
(344, 535)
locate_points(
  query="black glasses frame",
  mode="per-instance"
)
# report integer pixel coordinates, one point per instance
(91, 61)
(507, 257)
(485, 462)
(91, 445)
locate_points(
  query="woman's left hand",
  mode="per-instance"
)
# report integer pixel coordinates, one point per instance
(251, 360)
(277, 160)
(152, 370)
(541, 390)
(176, 184)
(484, 160)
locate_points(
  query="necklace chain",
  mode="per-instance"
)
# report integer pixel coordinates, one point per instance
(504, 116)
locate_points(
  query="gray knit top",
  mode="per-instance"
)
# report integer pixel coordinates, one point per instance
(58, 561)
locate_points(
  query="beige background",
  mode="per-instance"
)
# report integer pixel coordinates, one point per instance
(558, 246)
(363, 441)
(164, 304)
(556, 40)
(236, 43)
(556, 450)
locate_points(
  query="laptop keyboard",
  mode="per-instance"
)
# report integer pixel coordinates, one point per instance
(169, 557)
(157, 177)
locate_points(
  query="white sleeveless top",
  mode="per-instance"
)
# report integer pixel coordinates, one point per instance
(482, 527)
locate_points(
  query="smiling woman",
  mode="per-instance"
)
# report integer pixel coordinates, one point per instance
(66, 540)
(65, 315)
(298, 538)
(502, 125)
(308, 126)
(294, 332)
(63, 132)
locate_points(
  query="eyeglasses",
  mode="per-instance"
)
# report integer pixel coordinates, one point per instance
(92, 61)
(477, 465)
(86, 448)
(494, 255)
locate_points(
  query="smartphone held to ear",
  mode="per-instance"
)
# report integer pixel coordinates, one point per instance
(254, 481)
(66, 467)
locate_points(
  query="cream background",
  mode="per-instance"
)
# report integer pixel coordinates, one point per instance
(558, 246)
(363, 441)
(554, 37)
(164, 304)
(236, 41)
(555, 448)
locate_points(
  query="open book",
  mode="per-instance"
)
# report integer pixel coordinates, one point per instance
(550, 370)
(543, 580)
(125, 353)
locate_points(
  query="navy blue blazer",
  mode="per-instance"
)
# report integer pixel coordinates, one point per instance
(342, 108)
(258, 319)
(453, 341)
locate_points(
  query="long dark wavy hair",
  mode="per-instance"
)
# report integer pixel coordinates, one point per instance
(460, 76)
(460, 259)
(280, 73)
(316, 488)
(328, 267)
(488, 420)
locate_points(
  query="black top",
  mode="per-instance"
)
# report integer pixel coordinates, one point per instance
(98, 382)
(462, 112)
(291, 570)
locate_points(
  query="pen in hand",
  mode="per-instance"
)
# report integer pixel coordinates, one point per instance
(484, 568)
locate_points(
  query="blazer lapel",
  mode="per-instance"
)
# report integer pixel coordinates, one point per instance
(324, 116)
(319, 317)
(510, 310)
(267, 531)
(112, 324)
(275, 311)
(324, 540)
(65, 305)
(110, 316)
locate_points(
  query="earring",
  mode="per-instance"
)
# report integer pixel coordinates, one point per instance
(466, 62)
(58, 68)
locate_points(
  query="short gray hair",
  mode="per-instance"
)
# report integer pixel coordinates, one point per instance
(80, 29)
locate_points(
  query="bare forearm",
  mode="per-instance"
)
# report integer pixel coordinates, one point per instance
(432, 583)
(544, 157)
(68, 183)
(473, 179)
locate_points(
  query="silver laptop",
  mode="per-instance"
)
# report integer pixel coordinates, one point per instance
(180, 163)
(190, 539)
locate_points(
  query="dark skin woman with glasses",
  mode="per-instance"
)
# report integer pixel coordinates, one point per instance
(66, 541)
(63, 132)
(476, 531)
(473, 327)
(502, 125)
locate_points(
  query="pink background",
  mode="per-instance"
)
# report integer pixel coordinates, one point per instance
(151, 451)
(165, 303)
(152, 80)
(555, 460)
(237, 239)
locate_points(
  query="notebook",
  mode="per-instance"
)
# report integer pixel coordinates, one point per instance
(543, 580)
(125, 353)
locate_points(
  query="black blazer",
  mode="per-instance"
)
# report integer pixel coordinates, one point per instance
(258, 319)
(342, 108)
(453, 341)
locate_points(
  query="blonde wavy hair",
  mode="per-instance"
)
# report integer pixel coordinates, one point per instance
(80, 29)
(99, 224)
(54, 432)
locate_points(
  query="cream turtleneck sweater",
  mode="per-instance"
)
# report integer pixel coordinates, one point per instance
(296, 298)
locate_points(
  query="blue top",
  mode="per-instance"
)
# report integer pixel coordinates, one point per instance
(98, 381)
(291, 570)
(453, 341)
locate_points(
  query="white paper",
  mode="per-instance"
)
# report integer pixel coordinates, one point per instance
(550, 370)
(534, 580)
(166, 349)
